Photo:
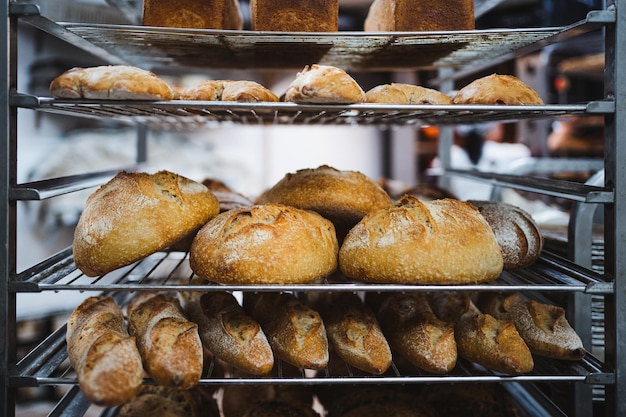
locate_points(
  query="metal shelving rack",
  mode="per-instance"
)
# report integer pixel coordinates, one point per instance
(169, 48)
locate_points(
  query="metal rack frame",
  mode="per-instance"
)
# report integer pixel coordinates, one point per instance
(353, 51)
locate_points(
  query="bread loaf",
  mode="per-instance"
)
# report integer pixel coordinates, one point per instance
(111, 82)
(243, 91)
(295, 15)
(169, 344)
(411, 16)
(207, 14)
(265, 244)
(324, 84)
(543, 327)
(438, 242)
(106, 360)
(354, 332)
(136, 214)
(296, 332)
(229, 333)
(517, 234)
(415, 333)
(161, 401)
(399, 93)
(496, 89)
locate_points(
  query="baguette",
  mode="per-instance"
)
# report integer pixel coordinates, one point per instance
(229, 333)
(169, 344)
(295, 332)
(106, 360)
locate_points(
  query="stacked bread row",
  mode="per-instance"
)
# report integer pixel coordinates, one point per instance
(309, 15)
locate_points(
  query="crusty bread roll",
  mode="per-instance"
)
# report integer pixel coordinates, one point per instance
(168, 342)
(136, 214)
(400, 93)
(324, 84)
(265, 244)
(411, 16)
(208, 14)
(543, 327)
(111, 82)
(206, 90)
(161, 401)
(354, 332)
(498, 89)
(106, 360)
(438, 242)
(343, 197)
(295, 331)
(229, 333)
(517, 233)
(242, 91)
(415, 333)
(295, 15)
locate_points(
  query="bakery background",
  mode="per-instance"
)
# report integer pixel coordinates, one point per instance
(57, 146)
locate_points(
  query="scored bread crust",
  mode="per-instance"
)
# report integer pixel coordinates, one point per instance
(324, 84)
(265, 244)
(437, 242)
(498, 89)
(111, 82)
(136, 214)
(105, 357)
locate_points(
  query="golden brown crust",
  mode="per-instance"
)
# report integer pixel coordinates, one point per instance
(210, 14)
(247, 92)
(543, 327)
(136, 214)
(409, 16)
(295, 15)
(323, 84)
(207, 90)
(265, 244)
(386, 94)
(104, 356)
(229, 333)
(169, 344)
(498, 89)
(111, 82)
(354, 332)
(438, 242)
(296, 332)
(517, 233)
(421, 95)
(343, 197)
(415, 333)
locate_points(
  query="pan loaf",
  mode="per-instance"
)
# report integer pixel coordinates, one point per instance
(265, 244)
(324, 84)
(295, 15)
(437, 242)
(498, 89)
(207, 14)
(169, 344)
(411, 16)
(111, 82)
(104, 356)
(136, 214)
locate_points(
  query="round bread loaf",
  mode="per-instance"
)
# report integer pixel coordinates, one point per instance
(343, 197)
(265, 244)
(498, 89)
(323, 84)
(443, 241)
(516, 232)
(136, 214)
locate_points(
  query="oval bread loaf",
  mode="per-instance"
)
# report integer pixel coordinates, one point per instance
(498, 89)
(136, 214)
(437, 242)
(106, 359)
(324, 84)
(265, 244)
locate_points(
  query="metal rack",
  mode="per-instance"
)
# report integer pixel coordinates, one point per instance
(181, 49)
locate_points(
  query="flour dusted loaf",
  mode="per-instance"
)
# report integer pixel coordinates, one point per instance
(443, 241)
(105, 357)
(498, 89)
(324, 84)
(399, 93)
(136, 214)
(265, 244)
(341, 196)
(517, 233)
(412, 16)
(295, 15)
(111, 82)
(206, 14)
